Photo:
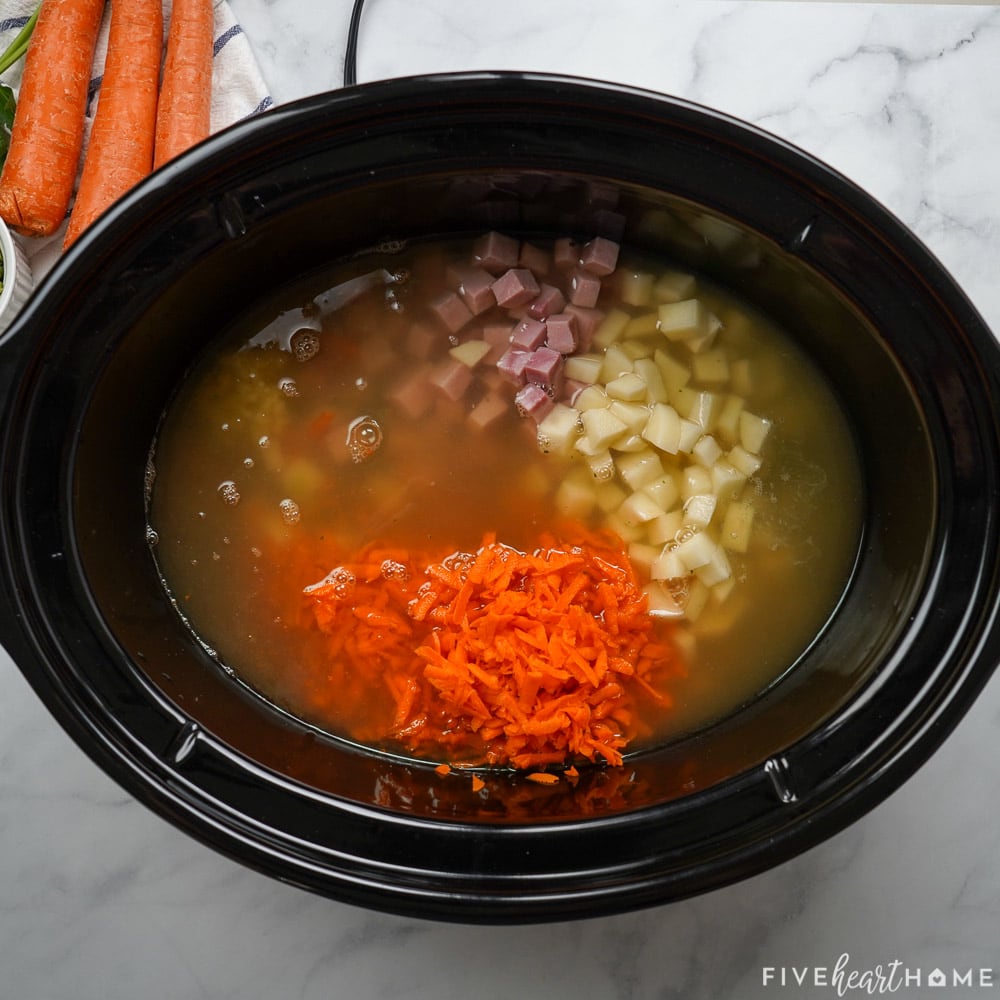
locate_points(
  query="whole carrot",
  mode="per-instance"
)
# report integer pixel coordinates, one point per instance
(120, 153)
(44, 155)
(183, 116)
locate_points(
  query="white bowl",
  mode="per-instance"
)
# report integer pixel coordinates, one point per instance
(17, 280)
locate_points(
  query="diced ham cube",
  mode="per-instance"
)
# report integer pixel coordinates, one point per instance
(511, 366)
(584, 288)
(473, 285)
(451, 311)
(566, 254)
(535, 259)
(497, 335)
(496, 252)
(452, 378)
(587, 322)
(533, 401)
(516, 287)
(423, 341)
(545, 368)
(600, 256)
(549, 300)
(528, 334)
(560, 333)
(488, 410)
(413, 394)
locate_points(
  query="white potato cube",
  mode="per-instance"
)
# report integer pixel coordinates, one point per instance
(707, 450)
(628, 386)
(668, 565)
(616, 362)
(583, 367)
(471, 352)
(558, 430)
(663, 428)
(610, 328)
(664, 529)
(638, 508)
(674, 286)
(737, 526)
(639, 468)
(656, 391)
(699, 510)
(602, 427)
(753, 431)
(636, 287)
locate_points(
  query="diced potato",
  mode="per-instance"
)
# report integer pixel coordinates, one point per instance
(639, 468)
(699, 509)
(638, 508)
(656, 390)
(593, 397)
(642, 556)
(616, 362)
(661, 603)
(753, 431)
(668, 565)
(727, 480)
(610, 328)
(583, 367)
(741, 377)
(558, 430)
(634, 415)
(471, 352)
(689, 321)
(663, 428)
(629, 443)
(705, 409)
(711, 366)
(707, 450)
(626, 532)
(690, 434)
(695, 479)
(664, 529)
(674, 286)
(675, 373)
(602, 427)
(602, 466)
(636, 287)
(741, 459)
(698, 595)
(575, 495)
(636, 348)
(697, 551)
(721, 591)
(643, 325)
(610, 496)
(727, 424)
(737, 526)
(663, 490)
(716, 570)
(628, 386)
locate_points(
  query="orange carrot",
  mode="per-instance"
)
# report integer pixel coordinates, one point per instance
(44, 155)
(183, 116)
(526, 660)
(120, 152)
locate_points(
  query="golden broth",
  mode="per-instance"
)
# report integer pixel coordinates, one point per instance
(263, 482)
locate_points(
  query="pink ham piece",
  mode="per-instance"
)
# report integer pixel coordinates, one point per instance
(452, 378)
(511, 366)
(549, 300)
(600, 256)
(528, 334)
(584, 288)
(496, 252)
(545, 368)
(533, 401)
(560, 333)
(451, 311)
(516, 287)
(473, 285)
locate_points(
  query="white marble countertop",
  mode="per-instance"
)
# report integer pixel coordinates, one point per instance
(99, 898)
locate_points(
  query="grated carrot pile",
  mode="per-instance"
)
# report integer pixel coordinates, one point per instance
(519, 659)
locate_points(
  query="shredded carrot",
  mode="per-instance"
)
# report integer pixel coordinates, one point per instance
(47, 136)
(528, 660)
(477, 783)
(120, 153)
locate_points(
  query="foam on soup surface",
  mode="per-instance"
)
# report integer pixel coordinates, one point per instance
(505, 503)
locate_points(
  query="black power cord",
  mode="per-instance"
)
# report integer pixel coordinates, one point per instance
(351, 52)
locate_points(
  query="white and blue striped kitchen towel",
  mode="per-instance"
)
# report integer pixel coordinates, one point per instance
(238, 88)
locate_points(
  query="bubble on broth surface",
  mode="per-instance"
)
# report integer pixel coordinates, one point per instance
(229, 492)
(151, 537)
(288, 386)
(289, 511)
(304, 344)
(364, 437)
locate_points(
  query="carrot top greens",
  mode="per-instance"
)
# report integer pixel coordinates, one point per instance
(498, 656)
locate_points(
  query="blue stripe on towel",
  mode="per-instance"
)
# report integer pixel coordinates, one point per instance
(9, 23)
(227, 36)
